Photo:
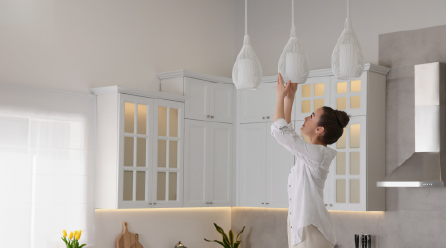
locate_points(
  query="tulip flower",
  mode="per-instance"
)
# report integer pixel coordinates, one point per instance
(71, 235)
(64, 233)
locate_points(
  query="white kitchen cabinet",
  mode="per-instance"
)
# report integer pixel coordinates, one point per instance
(315, 93)
(258, 105)
(139, 149)
(264, 167)
(208, 164)
(208, 98)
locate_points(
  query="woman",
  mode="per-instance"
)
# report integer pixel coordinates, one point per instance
(309, 222)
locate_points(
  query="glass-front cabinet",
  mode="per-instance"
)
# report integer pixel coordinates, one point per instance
(148, 136)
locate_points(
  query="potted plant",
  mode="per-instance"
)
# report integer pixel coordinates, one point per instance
(73, 239)
(227, 242)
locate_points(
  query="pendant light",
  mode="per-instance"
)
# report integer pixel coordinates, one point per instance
(247, 72)
(347, 61)
(293, 63)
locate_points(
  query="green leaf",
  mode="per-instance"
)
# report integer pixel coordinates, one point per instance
(240, 233)
(64, 240)
(231, 237)
(222, 232)
(237, 244)
(221, 243)
(82, 245)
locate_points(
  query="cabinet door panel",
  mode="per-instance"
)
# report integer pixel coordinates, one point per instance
(312, 95)
(220, 154)
(252, 103)
(252, 164)
(221, 102)
(348, 168)
(350, 95)
(196, 143)
(197, 102)
(279, 163)
(168, 154)
(135, 164)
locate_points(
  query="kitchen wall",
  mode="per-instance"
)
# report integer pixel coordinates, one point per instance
(319, 24)
(77, 45)
(414, 217)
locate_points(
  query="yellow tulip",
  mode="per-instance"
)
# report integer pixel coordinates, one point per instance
(64, 233)
(78, 236)
(71, 235)
(75, 233)
(79, 233)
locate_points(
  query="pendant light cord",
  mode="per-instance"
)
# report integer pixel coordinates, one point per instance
(246, 17)
(348, 9)
(292, 13)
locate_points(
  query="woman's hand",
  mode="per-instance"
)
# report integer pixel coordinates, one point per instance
(282, 90)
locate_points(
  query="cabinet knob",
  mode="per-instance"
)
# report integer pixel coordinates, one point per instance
(267, 117)
(267, 203)
(208, 116)
(154, 203)
(212, 117)
(211, 202)
(325, 204)
(207, 202)
(331, 205)
(263, 203)
(263, 117)
(150, 203)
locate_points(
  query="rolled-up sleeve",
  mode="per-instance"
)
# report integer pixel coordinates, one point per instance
(288, 138)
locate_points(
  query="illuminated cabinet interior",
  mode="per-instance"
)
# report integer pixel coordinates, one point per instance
(139, 160)
(360, 161)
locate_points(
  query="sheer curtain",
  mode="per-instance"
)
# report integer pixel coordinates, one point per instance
(47, 161)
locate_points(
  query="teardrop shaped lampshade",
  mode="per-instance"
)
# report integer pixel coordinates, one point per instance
(247, 71)
(293, 63)
(347, 61)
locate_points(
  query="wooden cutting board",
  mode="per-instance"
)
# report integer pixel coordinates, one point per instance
(128, 239)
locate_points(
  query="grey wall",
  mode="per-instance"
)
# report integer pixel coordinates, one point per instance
(319, 24)
(414, 217)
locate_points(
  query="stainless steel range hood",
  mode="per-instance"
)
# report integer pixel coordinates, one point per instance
(427, 165)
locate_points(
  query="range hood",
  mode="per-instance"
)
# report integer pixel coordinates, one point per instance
(427, 165)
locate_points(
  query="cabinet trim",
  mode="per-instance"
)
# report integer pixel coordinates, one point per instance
(150, 94)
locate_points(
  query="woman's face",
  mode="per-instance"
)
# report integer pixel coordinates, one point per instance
(310, 128)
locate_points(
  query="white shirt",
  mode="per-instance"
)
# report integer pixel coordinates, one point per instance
(306, 182)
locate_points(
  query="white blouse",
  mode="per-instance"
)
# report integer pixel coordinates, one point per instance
(306, 182)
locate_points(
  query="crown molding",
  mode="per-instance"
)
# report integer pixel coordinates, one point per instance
(186, 73)
(123, 90)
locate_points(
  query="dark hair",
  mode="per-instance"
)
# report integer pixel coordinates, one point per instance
(333, 122)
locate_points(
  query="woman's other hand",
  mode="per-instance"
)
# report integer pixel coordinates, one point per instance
(293, 89)
(282, 90)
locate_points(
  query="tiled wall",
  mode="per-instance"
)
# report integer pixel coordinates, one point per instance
(414, 217)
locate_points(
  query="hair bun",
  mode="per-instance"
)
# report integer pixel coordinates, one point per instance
(343, 118)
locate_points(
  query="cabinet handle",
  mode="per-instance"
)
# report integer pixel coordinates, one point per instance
(267, 117)
(267, 203)
(212, 117)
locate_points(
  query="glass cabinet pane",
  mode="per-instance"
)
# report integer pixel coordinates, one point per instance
(355, 102)
(340, 163)
(306, 90)
(161, 186)
(342, 88)
(162, 121)
(173, 122)
(354, 191)
(341, 103)
(318, 103)
(340, 190)
(340, 144)
(142, 119)
(306, 106)
(172, 186)
(162, 153)
(354, 135)
(140, 185)
(128, 186)
(141, 152)
(128, 151)
(355, 86)
(173, 154)
(129, 120)
(319, 90)
(354, 163)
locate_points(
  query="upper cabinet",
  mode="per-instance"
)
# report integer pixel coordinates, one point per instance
(312, 95)
(207, 98)
(139, 160)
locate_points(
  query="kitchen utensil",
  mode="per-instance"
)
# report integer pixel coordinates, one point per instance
(365, 240)
(137, 244)
(126, 239)
(369, 244)
(356, 241)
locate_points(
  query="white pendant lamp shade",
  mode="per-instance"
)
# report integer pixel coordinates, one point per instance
(293, 63)
(247, 72)
(347, 60)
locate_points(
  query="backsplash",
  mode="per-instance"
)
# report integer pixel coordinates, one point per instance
(414, 217)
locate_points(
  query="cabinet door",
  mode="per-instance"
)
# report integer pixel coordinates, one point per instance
(220, 145)
(252, 104)
(197, 102)
(135, 160)
(350, 96)
(196, 161)
(348, 169)
(252, 164)
(315, 93)
(278, 166)
(221, 102)
(168, 154)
